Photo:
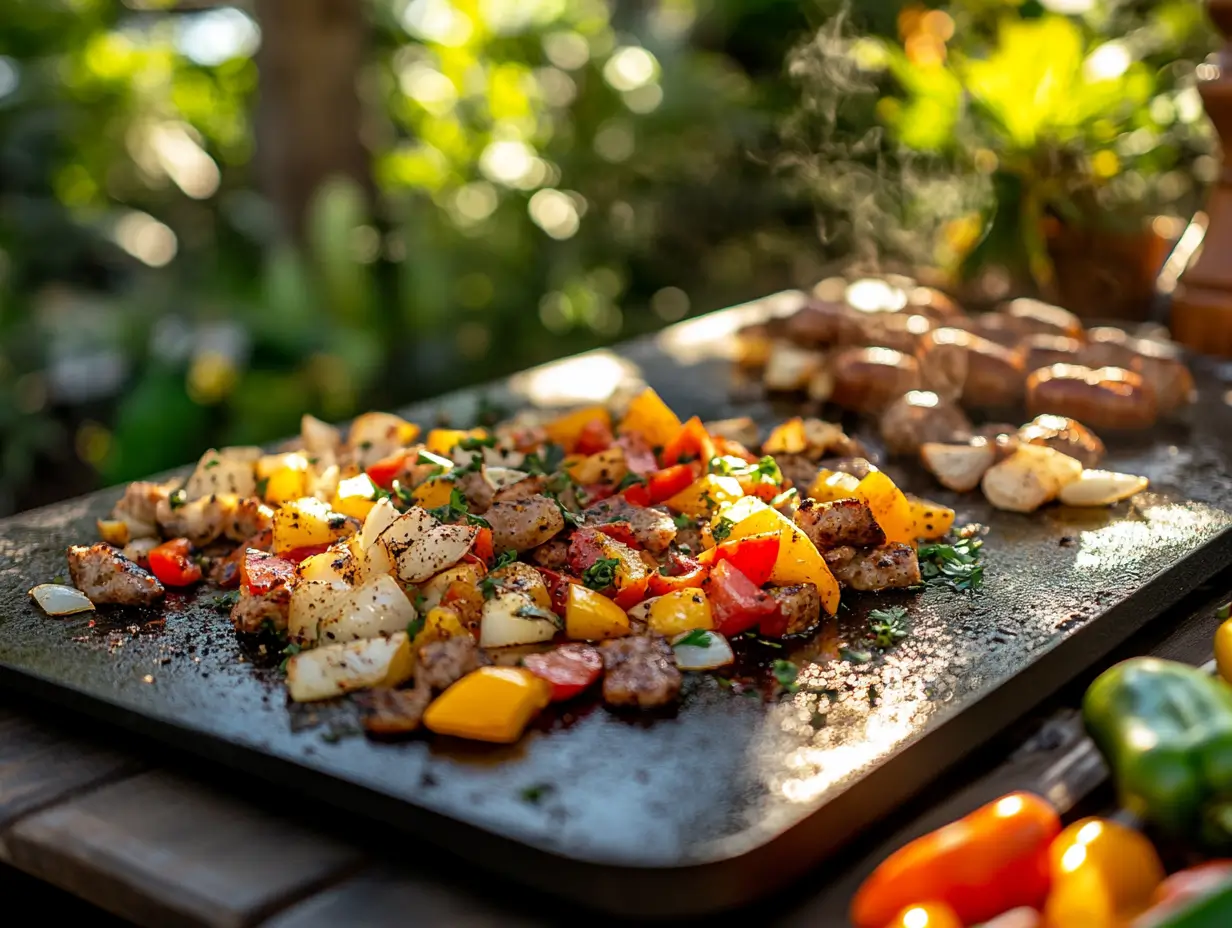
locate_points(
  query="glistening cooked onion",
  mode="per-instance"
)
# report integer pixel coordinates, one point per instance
(59, 599)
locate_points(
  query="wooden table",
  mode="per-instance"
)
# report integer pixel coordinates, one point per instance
(163, 840)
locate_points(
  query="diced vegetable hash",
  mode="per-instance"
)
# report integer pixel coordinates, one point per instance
(460, 581)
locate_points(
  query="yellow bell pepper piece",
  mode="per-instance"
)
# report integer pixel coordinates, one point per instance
(1103, 875)
(929, 520)
(606, 467)
(651, 418)
(113, 531)
(706, 495)
(590, 616)
(889, 505)
(355, 496)
(433, 492)
(799, 561)
(565, 430)
(308, 521)
(832, 484)
(443, 441)
(786, 438)
(489, 704)
(440, 623)
(679, 611)
(1223, 650)
(285, 477)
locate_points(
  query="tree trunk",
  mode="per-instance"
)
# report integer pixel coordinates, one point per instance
(309, 117)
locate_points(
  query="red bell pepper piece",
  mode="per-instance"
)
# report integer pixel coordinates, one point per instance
(666, 483)
(738, 603)
(692, 443)
(725, 447)
(482, 546)
(172, 563)
(622, 531)
(383, 472)
(637, 495)
(589, 545)
(683, 573)
(558, 588)
(639, 458)
(596, 436)
(262, 571)
(753, 555)
(570, 669)
(296, 555)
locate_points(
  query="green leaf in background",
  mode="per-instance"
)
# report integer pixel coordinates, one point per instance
(157, 427)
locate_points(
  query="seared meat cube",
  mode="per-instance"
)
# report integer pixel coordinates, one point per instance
(393, 712)
(138, 508)
(107, 576)
(841, 522)
(554, 555)
(798, 469)
(522, 489)
(254, 610)
(523, 524)
(444, 663)
(640, 671)
(226, 571)
(200, 520)
(478, 491)
(799, 610)
(251, 517)
(888, 567)
(652, 528)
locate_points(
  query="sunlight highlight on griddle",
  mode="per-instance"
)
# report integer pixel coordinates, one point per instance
(1128, 541)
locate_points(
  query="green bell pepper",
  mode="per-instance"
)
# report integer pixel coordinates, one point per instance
(1165, 729)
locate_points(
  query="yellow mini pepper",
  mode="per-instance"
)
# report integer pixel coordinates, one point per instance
(651, 418)
(1223, 650)
(1103, 875)
(489, 704)
(889, 505)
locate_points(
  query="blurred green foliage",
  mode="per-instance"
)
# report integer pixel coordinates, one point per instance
(549, 175)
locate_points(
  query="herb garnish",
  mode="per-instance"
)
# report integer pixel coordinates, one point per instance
(427, 457)
(601, 574)
(955, 565)
(224, 602)
(415, 626)
(764, 471)
(457, 508)
(262, 487)
(488, 586)
(547, 461)
(786, 672)
(533, 794)
(570, 517)
(539, 613)
(211, 463)
(722, 529)
(402, 496)
(289, 652)
(504, 559)
(178, 498)
(630, 480)
(477, 443)
(683, 521)
(697, 638)
(888, 626)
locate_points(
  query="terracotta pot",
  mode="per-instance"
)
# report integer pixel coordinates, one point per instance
(1102, 274)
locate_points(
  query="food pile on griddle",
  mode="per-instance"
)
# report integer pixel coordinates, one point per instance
(460, 580)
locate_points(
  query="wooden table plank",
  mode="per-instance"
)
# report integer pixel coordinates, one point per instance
(163, 850)
(42, 761)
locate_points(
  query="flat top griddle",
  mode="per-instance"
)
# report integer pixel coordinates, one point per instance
(726, 797)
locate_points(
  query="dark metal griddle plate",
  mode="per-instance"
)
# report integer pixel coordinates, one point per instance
(728, 798)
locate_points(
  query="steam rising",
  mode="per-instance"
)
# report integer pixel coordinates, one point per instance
(879, 206)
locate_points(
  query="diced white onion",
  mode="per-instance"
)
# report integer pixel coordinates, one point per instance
(59, 599)
(716, 652)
